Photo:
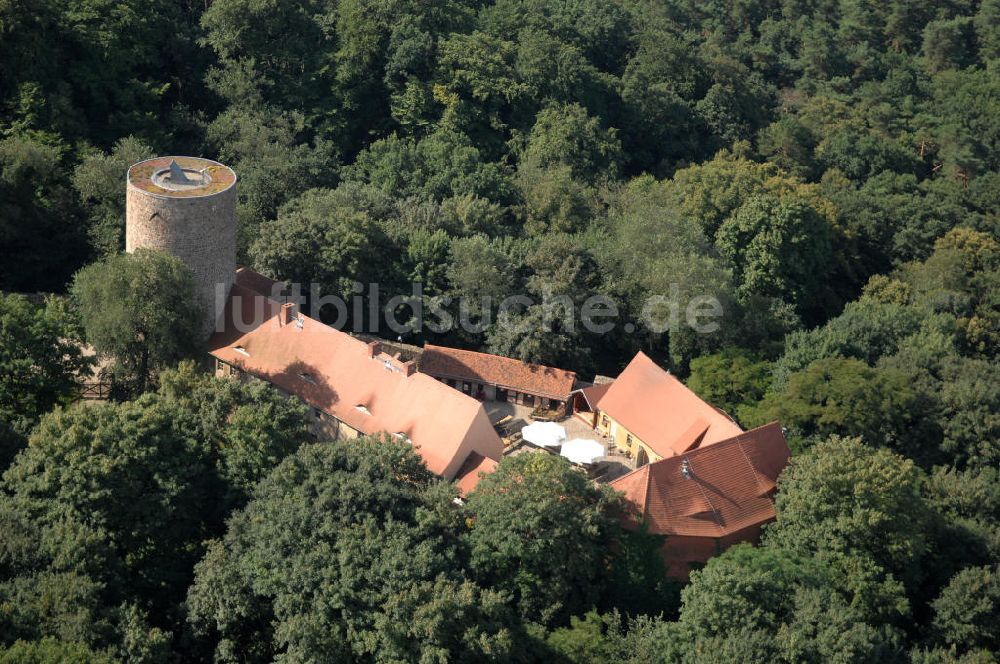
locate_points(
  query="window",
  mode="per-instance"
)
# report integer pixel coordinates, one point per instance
(628, 440)
(604, 420)
(317, 414)
(241, 349)
(363, 408)
(308, 377)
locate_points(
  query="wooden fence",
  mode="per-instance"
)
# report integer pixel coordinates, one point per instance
(95, 390)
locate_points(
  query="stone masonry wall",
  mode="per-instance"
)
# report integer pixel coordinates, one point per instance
(200, 231)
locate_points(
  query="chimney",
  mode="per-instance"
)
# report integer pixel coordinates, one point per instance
(287, 313)
(409, 368)
(373, 348)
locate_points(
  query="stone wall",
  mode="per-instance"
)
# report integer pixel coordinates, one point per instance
(199, 230)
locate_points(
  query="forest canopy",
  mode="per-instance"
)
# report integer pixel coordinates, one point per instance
(828, 171)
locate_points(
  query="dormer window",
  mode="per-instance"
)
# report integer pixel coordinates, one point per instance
(363, 408)
(403, 437)
(241, 350)
(308, 377)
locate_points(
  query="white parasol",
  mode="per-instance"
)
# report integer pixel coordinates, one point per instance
(544, 434)
(581, 450)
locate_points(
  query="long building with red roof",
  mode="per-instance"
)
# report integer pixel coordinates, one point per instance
(498, 378)
(352, 386)
(709, 498)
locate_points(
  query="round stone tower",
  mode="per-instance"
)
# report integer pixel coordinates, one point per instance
(186, 206)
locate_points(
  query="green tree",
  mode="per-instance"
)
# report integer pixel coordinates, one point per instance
(790, 597)
(967, 613)
(442, 165)
(968, 501)
(320, 238)
(657, 254)
(142, 311)
(866, 330)
(249, 427)
(270, 150)
(40, 238)
(778, 249)
(52, 651)
(583, 641)
(129, 479)
(554, 201)
(548, 577)
(731, 379)
(348, 550)
(567, 135)
(98, 181)
(948, 43)
(849, 398)
(41, 366)
(844, 498)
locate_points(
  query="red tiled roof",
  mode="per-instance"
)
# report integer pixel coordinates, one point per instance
(662, 411)
(594, 393)
(257, 282)
(729, 488)
(336, 373)
(496, 370)
(468, 475)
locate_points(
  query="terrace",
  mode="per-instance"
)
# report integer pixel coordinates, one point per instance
(509, 419)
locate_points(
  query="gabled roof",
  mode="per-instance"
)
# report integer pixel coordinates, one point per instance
(594, 393)
(257, 282)
(662, 411)
(729, 487)
(503, 371)
(468, 475)
(351, 380)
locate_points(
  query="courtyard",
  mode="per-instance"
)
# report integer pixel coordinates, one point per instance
(613, 465)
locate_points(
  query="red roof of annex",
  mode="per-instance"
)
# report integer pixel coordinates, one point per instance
(496, 370)
(727, 488)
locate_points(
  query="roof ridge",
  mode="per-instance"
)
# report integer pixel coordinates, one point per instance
(645, 492)
(502, 357)
(739, 444)
(715, 512)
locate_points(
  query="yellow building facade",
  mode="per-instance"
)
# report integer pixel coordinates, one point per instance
(625, 441)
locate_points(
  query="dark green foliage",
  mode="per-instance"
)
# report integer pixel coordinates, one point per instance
(776, 157)
(40, 235)
(967, 614)
(129, 478)
(550, 577)
(140, 310)
(321, 238)
(584, 640)
(846, 396)
(105, 512)
(98, 181)
(52, 651)
(248, 427)
(349, 549)
(842, 498)
(732, 379)
(41, 366)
